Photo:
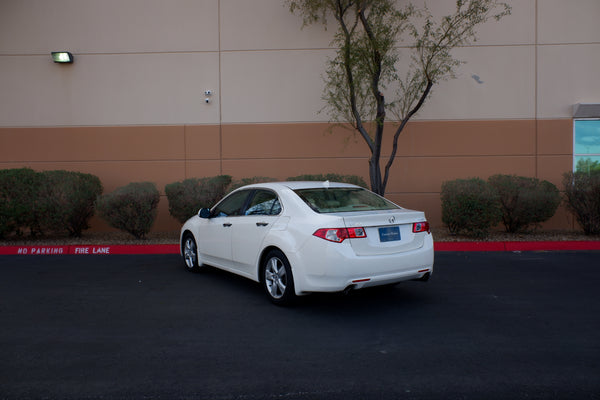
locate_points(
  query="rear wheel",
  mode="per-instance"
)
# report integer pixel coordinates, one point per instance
(277, 278)
(190, 253)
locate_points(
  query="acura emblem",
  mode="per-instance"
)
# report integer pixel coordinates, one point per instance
(392, 220)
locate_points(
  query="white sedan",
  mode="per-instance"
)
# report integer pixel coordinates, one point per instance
(297, 238)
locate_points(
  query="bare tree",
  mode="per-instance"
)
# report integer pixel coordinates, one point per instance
(367, 37)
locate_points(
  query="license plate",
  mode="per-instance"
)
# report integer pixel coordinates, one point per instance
(389, 234)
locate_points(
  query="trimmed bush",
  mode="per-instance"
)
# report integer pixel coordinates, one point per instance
(524, 202)
(353, 179)
(470, 207)
(131, 208)
(66, 201)
(6, 225)
(19, 188)
(582, 190)
(189, 196)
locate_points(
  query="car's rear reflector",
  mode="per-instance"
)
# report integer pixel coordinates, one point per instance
(338, 235)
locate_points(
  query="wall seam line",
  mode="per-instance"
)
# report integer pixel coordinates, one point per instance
(220, 95)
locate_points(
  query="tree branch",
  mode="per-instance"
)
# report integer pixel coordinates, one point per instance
(349, 74)
(401, 128)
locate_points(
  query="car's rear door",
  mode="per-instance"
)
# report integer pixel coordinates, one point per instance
(250, 229)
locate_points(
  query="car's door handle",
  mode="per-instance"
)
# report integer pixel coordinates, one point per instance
(227, 224)
(262, 223)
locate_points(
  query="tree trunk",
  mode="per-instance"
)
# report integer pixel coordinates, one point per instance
(375, 175)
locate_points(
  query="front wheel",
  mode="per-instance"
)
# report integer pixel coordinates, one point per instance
(190, 253)
(277, 278)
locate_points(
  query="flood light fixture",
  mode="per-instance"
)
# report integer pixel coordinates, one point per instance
(62, 57)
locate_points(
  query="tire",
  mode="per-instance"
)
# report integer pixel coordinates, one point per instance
(277, 279)
(189, 250)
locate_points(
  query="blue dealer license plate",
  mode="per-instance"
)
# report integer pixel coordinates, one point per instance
(389, 234)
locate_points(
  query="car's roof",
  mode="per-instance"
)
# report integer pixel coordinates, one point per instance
(294, 185)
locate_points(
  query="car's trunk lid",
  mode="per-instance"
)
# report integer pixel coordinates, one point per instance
(388, 231)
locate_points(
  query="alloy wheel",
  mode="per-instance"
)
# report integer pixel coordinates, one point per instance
(275, 278)
(190, 253)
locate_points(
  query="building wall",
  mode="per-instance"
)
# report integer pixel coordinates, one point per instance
(132, 106)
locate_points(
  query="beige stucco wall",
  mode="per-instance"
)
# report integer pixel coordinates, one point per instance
(108, 26)
(149, 62)
(132, 106)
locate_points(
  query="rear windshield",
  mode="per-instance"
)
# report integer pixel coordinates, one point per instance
(333, 200)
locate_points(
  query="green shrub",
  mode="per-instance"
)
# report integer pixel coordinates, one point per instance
(131, 208)
(189, 196)
(66, 201)
(582, 190)
(470, 207)
(6, 225)
(250, 181)
(353, 179)
(524, 201)
(19, 189)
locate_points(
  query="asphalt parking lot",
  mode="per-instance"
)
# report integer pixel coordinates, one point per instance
(486, 326)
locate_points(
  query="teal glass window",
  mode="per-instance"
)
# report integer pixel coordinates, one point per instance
(586, 145)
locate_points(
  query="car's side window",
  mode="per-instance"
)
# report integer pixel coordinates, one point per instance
(264, 202)
(232, 205)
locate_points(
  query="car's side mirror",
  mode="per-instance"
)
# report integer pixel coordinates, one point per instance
(204, 213)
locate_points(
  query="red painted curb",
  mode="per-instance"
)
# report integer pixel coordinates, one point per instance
(468, 246)
(174, 248)
(90, 250)
(540, 246)
(517, 246)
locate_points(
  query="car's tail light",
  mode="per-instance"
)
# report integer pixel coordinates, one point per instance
(421, 227)
(338, 235)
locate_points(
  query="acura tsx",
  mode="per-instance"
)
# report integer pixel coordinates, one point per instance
(297, 238)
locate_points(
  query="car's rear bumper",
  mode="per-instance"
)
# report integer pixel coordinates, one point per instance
(334, 267)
